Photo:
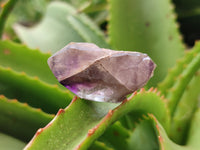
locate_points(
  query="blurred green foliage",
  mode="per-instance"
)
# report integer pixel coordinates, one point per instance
(164, 117)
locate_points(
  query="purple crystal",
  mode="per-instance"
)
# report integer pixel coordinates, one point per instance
(99, 74)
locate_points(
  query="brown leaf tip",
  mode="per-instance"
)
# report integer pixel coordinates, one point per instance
(74, 99)
(39, 131)
(2, 96)
(91, 131)
(60, 111)
(134, 93)
(110, 112)
(142, 90)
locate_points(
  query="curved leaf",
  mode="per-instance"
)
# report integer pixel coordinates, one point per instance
(92, 118)
(6, 9)
(149, 27)
(32, 91)
(20, 120)
(61, 25)
(175, 93)
(194, 133)
(181, 64)
(164, 141)
(20, 58)
(184, 112)
(10, 143)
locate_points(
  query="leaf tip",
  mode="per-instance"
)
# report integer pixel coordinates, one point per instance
(134, 93)
(91, 131)
(60, 112)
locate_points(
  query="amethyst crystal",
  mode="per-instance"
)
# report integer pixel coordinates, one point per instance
(100, 74)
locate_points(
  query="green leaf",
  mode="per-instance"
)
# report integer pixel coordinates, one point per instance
(20, 120)
(33, 91)
(99, 146)
(6, 9)
(94, 6)
(20, 58)
(194, 133)
(143, 137)
(164, 142)
(185, 110)
(70, 126)
(149, 134)
(116, 136)
(181, 64)
(84, 121)
(149, 27)
(181, 88)
(61, 25)
(10, 143)
(177, 90)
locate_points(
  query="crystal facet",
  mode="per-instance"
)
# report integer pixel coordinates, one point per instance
(100, 74)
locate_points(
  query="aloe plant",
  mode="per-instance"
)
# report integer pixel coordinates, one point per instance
(36, 112)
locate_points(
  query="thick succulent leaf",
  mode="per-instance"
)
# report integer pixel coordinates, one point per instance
(28, 12)
(143, 137)
(99, 146)
(175, 93)
(6, 9)
(146, 26)
(116, 136)
(181, 88)
(137, 142)
(20, 120)
(33, 91)
(93, 6)
(82, 121)
(194, 133)
(61, 24)
(181, 64)
(71, 125)
(20, 58)
(10, 143)
(185, 110)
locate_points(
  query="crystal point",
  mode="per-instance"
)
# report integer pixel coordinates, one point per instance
(99, 74)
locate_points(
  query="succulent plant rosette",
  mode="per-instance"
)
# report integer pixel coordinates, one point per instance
(67, 82)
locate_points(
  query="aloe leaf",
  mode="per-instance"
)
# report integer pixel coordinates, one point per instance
(149, 27)
(181, 64)
(176, 91)
(33, 91)
(89, 120)
(149, 134)
(32, 62)
(194, 133)
(164, 142)
(20, 120)
(71, 125)
(143, 136)
(185, 110)
(99, 146)
(116, 136)
(6, 9)
(61, 25)
(94, 6)
(10, 143)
